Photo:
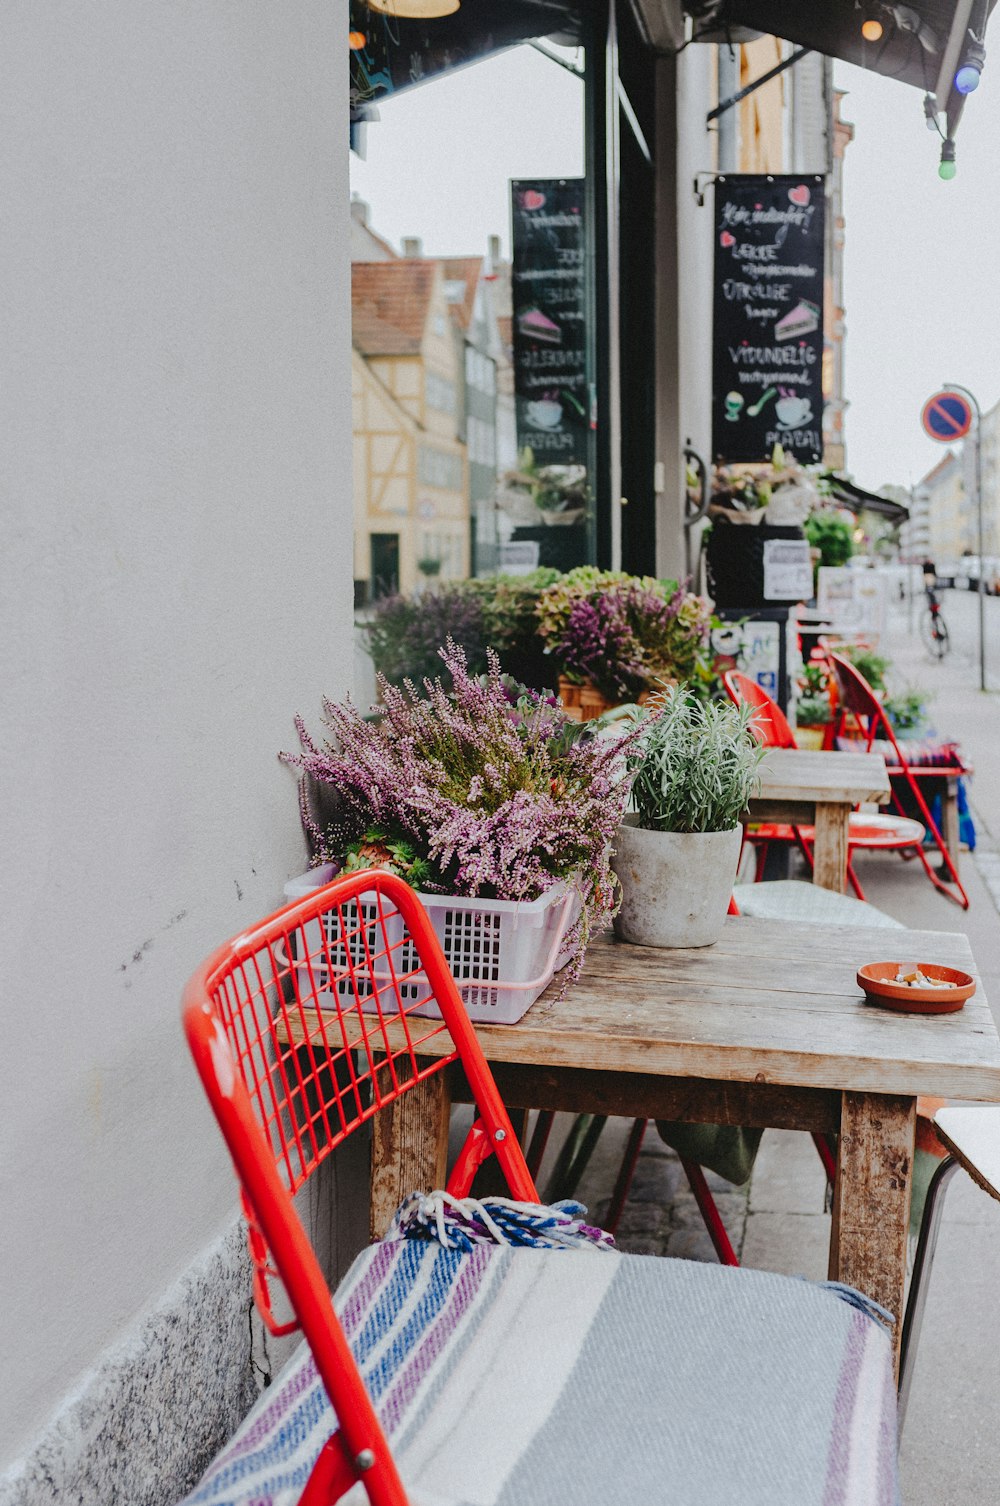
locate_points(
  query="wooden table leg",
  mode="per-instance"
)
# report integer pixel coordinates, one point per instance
(871, 1200)
(409, 1149)
(949, 818)
(830, 851)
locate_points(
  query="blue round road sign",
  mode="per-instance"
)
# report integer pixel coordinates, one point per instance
(947, 416)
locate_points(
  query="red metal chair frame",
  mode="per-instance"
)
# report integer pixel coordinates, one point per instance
(859, 702)
(773, 730)
(283, 1108)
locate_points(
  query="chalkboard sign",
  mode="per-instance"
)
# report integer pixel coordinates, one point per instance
(767, 380)
(549, 297)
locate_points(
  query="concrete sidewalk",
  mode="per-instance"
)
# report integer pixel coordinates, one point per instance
(779, 1220)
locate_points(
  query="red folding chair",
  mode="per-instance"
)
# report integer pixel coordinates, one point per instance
(868, 833)
(447, 1362)
(290, 1080)
(861, 715)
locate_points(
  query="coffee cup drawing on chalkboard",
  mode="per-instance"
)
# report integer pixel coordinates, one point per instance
(793, 412)
(545, 413)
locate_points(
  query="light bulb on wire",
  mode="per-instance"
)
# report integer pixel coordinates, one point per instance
(947, 167)
(415, 10)
(970, 69)
(871, 26)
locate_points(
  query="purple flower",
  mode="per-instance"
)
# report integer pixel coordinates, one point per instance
(498, 805)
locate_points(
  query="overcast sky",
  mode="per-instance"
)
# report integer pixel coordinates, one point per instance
(922, 257)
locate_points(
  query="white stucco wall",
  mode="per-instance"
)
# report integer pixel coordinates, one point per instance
(177, 584)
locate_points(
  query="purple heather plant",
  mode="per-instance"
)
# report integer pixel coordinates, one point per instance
(626, 633)
(503, 797)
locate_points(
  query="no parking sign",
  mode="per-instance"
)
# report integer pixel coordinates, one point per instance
(947, 416)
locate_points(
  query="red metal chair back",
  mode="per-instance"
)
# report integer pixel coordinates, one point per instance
(302, 1029)
(770, 725)
(858, 705)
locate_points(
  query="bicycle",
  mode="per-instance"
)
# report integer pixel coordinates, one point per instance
(933, 628)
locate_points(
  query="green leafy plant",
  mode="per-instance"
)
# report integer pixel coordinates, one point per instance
(695, 764)
(907, 712)
(813, 711)
(553, 488)
(872, 665)
(832, 535)
(377, 849)
(814, 679)
(812, 706)
(404, 634)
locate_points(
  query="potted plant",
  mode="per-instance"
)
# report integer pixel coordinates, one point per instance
(404, 634)
(907, 712)
(561, 493)
(482, 791)
(813, 707)
(695, 766)
(615, 637)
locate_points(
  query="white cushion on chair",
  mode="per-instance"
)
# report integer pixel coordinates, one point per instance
(521, 1377)
(793, 899)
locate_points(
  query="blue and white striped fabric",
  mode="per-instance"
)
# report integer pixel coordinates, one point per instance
(523, 1377)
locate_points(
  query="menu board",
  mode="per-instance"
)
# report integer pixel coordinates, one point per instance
(767, 377)
(549, 308)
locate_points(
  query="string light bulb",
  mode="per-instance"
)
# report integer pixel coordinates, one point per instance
(415, 10)
(970, 69)
(947, 167)
(871, 26)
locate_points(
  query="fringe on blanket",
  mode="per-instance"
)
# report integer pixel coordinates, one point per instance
(866, 1305)
(461, 1223)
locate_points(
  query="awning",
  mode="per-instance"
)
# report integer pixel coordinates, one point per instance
(921, 43)
(857, 499)
(394, 53)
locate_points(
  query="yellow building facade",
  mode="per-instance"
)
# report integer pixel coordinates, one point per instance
(410, 469)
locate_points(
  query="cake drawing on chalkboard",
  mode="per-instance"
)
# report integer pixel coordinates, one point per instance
(803, 319)
(534, 325)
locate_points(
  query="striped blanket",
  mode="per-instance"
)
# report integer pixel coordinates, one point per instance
(521, 1377)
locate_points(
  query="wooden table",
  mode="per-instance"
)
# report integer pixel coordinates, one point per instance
(768, 1027)
(820, 790)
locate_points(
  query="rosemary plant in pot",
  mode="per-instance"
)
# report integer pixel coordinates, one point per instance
(695, 767)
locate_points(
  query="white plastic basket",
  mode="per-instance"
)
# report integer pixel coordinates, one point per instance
(502, 953)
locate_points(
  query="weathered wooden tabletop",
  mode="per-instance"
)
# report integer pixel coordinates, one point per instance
(820, 790)
(766, 1027)
(770, 1002)
(832, 777)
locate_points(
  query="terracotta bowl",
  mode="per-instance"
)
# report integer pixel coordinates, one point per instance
(878, 981)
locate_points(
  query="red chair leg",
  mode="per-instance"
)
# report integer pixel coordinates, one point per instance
(853, 879)
(709, 1212)
(826, 1155)
(760, 852)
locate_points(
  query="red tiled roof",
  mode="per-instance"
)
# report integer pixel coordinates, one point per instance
(465, 269)
(389, 305)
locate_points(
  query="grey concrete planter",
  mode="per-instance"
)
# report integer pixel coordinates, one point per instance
(676, 886)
